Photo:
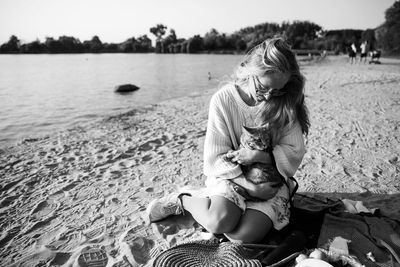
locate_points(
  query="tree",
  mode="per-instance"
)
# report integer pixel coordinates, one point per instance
(111, 48)
(159, 31)
(170, 40)
(391, 36)
(252, 36)
(369, 36)
(53, 46)
(340, 40)
(210, 39)
(69, 44)
(33, 48)
(299, 32)
(194, 44)
(129, 45)
(95, 44)
(145, 43)
(240, 45)
(12, 46)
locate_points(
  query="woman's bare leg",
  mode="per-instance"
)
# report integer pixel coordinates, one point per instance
(216, 214)
(252, 227)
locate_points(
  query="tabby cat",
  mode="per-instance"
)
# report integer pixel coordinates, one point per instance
(259, 138)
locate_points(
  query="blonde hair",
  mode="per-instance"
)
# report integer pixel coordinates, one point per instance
(271, 56)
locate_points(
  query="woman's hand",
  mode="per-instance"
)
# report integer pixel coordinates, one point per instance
(263, 191)
(242, 156)
(246, 156)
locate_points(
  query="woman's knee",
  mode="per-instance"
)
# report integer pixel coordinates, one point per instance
(223, 217)
(247, 236)
(252, 228)
(221, 222)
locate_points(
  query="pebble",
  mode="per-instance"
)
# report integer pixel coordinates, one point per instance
(394, 159)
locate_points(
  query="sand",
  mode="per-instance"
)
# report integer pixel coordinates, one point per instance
(86, 189)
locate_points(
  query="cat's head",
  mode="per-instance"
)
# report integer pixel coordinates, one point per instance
(256, 138)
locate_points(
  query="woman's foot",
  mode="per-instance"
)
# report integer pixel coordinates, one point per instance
(164, 207)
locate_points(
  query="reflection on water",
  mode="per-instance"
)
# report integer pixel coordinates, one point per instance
(45, 93)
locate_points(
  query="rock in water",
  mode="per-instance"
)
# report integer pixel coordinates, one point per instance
(125, 88)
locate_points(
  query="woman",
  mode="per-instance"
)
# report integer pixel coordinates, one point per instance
(267, 88)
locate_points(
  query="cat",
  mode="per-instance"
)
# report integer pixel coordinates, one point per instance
(259, 138)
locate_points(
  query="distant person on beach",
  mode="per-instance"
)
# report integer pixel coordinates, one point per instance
(375, 56)
(209, 76)
(363, 48)
(267, 88)
(352, 53)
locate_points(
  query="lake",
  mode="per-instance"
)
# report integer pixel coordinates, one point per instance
(42, 94)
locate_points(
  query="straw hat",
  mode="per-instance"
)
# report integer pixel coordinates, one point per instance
(206, 254)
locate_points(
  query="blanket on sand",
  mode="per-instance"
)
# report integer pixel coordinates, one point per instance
(373, 239)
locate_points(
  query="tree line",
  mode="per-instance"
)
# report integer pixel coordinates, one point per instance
(69, 44)
(304, 35)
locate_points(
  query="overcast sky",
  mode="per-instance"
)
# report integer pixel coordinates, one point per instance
(117, 20)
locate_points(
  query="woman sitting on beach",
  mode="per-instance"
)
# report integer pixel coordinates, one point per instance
(267, 88)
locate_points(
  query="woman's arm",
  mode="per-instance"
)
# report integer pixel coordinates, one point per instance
(249, 190)
(218, 142)
(246, 156)
(289, 151)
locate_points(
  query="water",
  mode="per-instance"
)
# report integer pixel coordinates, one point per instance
(41, 94)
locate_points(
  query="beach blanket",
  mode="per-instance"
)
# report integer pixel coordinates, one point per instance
(368, 234)
(373, 238)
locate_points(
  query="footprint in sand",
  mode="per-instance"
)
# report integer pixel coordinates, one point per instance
(10, 185)
(36, 224)
(66, 241)
(122, 263)
(93, 257)
(146, 158)
(135, 248)
(200, 134)
(150, 145)
(59, 259)
(8, 202)
(96, 233)
(44, 208)
(9, 234)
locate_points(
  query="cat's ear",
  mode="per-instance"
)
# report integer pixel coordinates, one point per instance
(265, 127)
(249, 130)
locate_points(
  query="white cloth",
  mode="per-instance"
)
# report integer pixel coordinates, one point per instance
(363, 47)
(354, 206)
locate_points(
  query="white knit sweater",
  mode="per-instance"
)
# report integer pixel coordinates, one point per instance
(227, 113)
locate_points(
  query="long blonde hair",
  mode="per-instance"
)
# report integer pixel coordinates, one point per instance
(271, 56)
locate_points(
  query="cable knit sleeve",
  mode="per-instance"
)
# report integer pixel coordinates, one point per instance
(289, 151)
(218, 142)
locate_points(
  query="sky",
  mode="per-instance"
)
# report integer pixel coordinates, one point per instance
(115, 21)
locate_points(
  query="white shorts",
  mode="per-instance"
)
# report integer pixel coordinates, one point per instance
(276, 208)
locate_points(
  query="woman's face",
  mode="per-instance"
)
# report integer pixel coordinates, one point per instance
(270, 84)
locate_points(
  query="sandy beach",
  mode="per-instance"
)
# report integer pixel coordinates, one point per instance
(88, 187)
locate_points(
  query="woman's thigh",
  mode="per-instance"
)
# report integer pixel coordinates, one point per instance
(252, 227)
(224, 215)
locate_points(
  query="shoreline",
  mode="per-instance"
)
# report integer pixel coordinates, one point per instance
(90, 185)
(97, 121)
(66, 126)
